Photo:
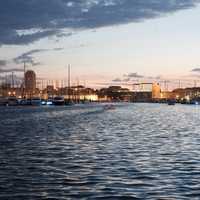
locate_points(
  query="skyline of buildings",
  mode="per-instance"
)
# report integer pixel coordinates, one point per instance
(133, 81)
(152, 93)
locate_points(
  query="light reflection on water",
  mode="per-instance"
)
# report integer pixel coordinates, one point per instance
(137, 151)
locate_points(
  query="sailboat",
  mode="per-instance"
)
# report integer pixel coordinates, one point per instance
(171, 102)
(69, 101)
(12, 101)
(58, 101)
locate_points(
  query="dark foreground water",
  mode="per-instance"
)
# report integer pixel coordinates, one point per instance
(138, 151)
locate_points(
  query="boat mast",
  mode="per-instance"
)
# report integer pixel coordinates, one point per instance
(69, 82)
(24, 86)
(12, 80)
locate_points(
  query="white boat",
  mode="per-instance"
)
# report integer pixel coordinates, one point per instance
(12, 101)
(3, 101)
(25, 102)
(171, 102)
(58, 101)
(109, 107)
(36, 101)
(43, 102)
(49, 102)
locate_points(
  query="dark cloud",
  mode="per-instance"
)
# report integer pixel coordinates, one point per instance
(58, 49)
(9, 36)
(131, 77)
(9, 70)
(196, 70)
(28, 57)
(3, 62)
(23, 21)
(116, 80)
(134, 75)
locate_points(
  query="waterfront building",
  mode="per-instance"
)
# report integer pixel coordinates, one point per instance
(50, 90)
(30, 82)
(145, 92)
(167, 95)
(5, 88)
(188, 93)
(115, 93)
(156, 91)
(142, 96)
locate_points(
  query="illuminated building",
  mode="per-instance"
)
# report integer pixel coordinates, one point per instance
(115, 93)
(156, 91)
(146, 92)
(30, 82)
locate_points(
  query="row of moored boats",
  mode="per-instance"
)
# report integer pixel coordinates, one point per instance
(13, 101)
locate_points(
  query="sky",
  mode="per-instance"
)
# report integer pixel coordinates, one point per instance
(106, 42)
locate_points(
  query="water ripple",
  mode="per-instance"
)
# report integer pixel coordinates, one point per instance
(137, 151)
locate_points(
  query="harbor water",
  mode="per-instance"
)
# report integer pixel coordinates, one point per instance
(135, 151)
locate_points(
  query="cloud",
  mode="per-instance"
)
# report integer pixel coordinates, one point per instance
(131, 77)
(10, 36)
(116, 80)
(126, 79)
(196, 70)
(23, 22)
(159, 77)
(134, 75)
(28, 57)
(3, 62)
(9, 70)
(58, 49)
